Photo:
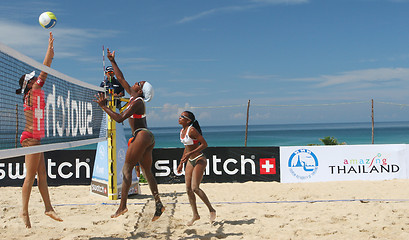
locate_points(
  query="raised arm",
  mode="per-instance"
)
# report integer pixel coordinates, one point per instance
(118, 72)
(135, 106)
(48, 57)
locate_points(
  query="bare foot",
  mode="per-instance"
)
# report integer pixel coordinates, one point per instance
(53, 215)
(194, 219)
(212, 216)
(26, 219)
(119, 213)
(159, 210)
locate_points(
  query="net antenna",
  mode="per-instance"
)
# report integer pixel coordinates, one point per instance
(69, 117)
(103, 70)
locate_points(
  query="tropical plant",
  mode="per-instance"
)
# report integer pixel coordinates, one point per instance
(142, 179)
(331, 141)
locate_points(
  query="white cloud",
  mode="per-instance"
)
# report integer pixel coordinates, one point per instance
(204, 115)
(214, 11)
(359, 78)
(230, 9)
(281, 1)
(136, 59)
(32, 40)
(258, 77)
(238, 115)
(20, 36)
(166, 112)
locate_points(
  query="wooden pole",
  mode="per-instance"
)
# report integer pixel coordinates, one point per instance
(373, 124)
(247, 123)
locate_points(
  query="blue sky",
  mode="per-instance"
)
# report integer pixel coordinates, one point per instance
(215, 55)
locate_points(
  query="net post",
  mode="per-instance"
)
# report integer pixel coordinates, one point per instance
(373, 123)
(247, 123)
(112, 171)
(16, 138)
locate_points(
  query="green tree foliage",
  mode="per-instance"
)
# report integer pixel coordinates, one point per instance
(142, 179)
(331, 141)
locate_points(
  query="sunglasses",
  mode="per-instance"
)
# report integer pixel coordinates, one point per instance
(184, 117)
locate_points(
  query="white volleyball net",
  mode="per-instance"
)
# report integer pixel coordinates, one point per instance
(64, 116)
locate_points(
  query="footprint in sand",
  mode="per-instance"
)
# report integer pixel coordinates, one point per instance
(99, 222)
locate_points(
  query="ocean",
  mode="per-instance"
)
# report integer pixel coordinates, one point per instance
(288, 134)
(284, 134)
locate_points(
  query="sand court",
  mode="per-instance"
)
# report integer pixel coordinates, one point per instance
(251, 210)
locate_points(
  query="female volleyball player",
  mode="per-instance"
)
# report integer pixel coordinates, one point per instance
(191, 137)
(141, 146)
(29, 87)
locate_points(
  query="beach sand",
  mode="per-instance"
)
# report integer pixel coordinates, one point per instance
(251, 210)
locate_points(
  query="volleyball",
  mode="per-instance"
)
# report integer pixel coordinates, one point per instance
(47, 20)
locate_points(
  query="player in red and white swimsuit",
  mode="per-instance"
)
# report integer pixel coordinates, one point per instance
(191, 137)
(31, 85)
(141, 144)
(35, 164)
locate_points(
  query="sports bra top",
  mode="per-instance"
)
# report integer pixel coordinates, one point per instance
(137, 116)
(27, 102)
(187, 140)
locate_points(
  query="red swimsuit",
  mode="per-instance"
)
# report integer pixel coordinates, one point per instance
(28, 107)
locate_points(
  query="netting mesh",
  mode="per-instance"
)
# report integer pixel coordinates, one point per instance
(67, 113)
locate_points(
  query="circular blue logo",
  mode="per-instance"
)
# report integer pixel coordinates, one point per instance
(303, 164)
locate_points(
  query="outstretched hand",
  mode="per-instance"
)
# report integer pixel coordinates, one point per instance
(101, 99)
(110, 55)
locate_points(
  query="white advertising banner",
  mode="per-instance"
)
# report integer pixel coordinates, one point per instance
(343, 163)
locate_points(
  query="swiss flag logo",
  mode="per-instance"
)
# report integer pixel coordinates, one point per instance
(38, 113)
(267, 166)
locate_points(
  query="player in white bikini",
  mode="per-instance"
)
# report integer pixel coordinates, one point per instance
(191, 137)
(141, 145)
